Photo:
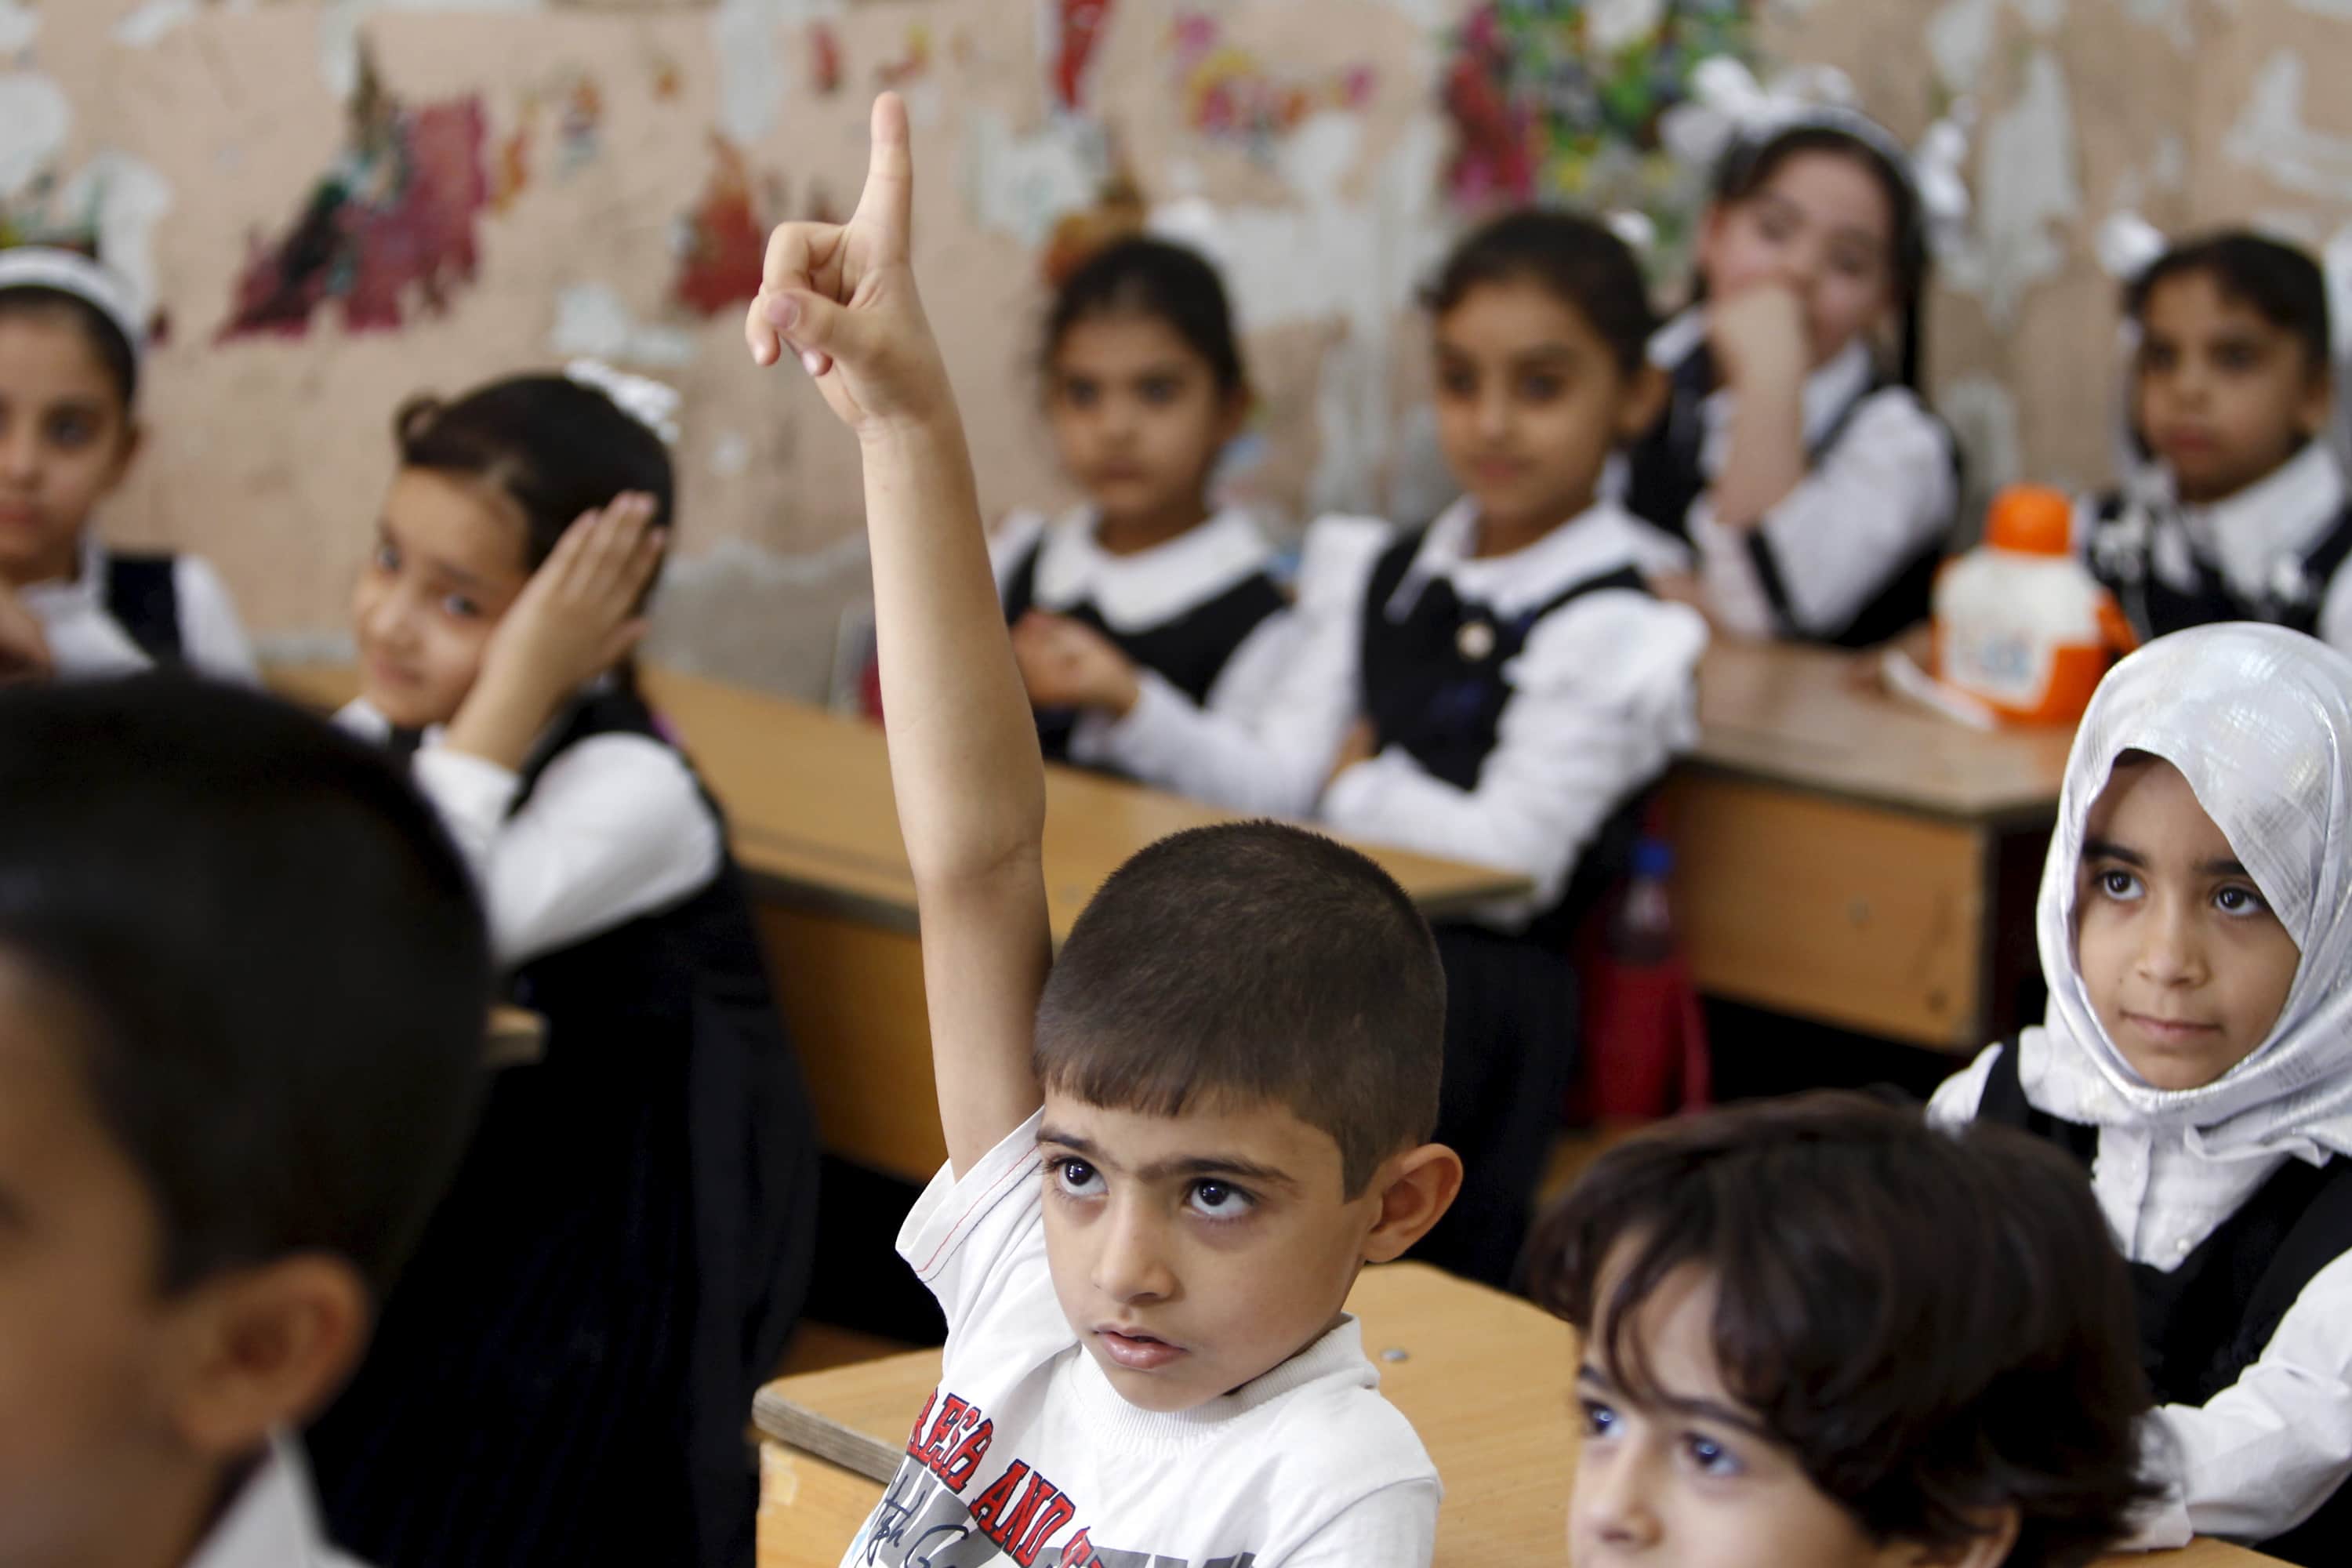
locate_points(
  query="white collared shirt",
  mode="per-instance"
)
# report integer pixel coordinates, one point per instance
(1602, 697)
(2256, 539)
(86, 641)
(616, 829)
(1305, 1466)
(1148, 588)
(1882, 494)
(273, 1521)
(2258, 1458)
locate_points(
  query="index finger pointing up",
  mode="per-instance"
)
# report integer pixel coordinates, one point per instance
(885, 210)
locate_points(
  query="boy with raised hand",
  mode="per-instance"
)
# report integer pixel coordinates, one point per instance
(1170, 1153)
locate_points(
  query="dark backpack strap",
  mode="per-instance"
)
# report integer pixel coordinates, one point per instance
(143, 594)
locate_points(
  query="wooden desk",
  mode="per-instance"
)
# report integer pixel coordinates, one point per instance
(810, 809)
(1486, 1379)
(1849, 856)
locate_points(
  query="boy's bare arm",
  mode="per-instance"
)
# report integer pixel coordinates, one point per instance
(963, 748)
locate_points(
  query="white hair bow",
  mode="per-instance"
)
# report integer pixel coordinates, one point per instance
(650, 403)
(2128, 245)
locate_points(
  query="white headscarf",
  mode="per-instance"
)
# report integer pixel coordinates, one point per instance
(2259, 721)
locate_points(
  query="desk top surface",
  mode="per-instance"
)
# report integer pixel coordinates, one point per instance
(1784, 714)
(809, 804)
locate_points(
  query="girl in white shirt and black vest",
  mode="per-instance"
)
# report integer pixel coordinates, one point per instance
(1500, 687)
(1147, 594)
(71, 335)
(2236, 509)
(2196, 929)
(562, 1374)
(1813, 487)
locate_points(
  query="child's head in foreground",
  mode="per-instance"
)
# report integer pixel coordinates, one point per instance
(2232, 375)
(2200, 860)
(69, 379)
(1144, 382)
(486, 486)
(242, 991)
(1543, 324)
(1816, 1331)
(1239, 1048)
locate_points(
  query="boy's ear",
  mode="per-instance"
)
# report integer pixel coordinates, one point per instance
(1645, 400)
(1988, 1550)
(1415, 1189)
(266, 1347)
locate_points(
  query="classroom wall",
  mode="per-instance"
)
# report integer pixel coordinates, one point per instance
(338, 203)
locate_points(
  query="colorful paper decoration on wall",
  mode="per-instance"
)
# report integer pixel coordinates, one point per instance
(1230, 94)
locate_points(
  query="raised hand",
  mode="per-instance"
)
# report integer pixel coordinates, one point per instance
(842, 297)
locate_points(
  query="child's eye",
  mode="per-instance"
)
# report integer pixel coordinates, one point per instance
(461, 607)
(1600, 1420)
(1541, 387)
(2236, 356)
(1078, 393)
(1852, 263)
(2121, 886)
(387, 557)
(1159, 391)
(1456, 382)
(2158, 358)
(1711, 1457)
(71, 430)
(1076, 1179)
(1776, 225)
(2236, 900)
(1220, 1200)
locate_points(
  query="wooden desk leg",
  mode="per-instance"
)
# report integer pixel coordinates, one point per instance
(809, 1510)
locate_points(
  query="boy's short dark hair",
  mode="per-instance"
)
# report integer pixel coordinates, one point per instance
(267, 957)
(1577, 261)
(2280, 282)
(1257, 961)
(1936, 1325)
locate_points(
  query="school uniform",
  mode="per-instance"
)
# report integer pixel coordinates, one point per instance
(1523, 704)
(121, 613)
(271, 1521)
(2232, 1201)
(563, 1374)
(1202, 615)
(1848, 557)
(2273, 551)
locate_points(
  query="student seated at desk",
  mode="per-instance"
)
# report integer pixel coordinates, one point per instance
(1815, 1332)
(2236, 510)
(1146, 585)
(1169, 1160)
(1499, 688)
(2196, 929)
(241, 1004)
(562, 1378)
(1813, 487)
(70, 337)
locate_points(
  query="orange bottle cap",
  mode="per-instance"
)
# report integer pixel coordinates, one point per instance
(2030, 519)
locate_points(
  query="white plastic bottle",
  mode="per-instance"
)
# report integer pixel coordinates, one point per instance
(2020, 625)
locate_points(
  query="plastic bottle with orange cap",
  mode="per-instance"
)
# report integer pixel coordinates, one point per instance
(2020, 625)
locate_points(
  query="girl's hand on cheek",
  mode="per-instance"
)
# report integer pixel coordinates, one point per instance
(1758, 337)
(574, 620)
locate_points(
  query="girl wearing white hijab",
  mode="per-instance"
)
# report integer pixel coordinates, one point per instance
(2196, 929)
